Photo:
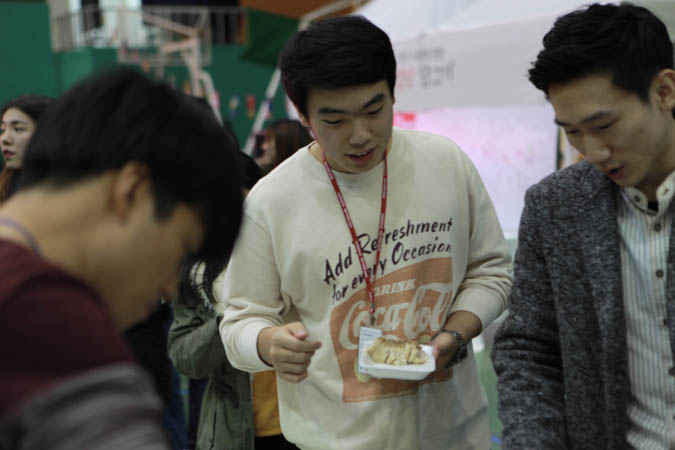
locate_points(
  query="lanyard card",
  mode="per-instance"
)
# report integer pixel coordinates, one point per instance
(366, 335)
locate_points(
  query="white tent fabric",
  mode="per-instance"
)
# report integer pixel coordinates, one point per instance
(407, 19)
(404, 19)
(485, 12)
(462, 73)
(472, 53)
(477, 66)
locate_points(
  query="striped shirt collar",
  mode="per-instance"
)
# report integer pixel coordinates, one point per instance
(664, 195)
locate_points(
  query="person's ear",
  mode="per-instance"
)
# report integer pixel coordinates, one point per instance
(665, 89)
(129, 184)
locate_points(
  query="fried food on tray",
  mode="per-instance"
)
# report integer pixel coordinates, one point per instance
(396, 353)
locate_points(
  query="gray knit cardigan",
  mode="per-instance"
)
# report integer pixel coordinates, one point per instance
(561, 354)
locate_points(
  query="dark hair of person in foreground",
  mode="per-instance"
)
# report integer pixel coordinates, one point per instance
(191, 158)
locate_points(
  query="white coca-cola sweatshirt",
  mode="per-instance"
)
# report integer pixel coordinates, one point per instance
(443, 250)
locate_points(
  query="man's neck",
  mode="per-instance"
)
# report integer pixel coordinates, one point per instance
(62, 223)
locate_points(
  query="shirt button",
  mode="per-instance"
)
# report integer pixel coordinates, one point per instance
(637, 198)
(665, 322)
(657, 227)
(659, 273)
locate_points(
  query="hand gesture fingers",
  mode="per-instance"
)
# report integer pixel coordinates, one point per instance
(291, 352)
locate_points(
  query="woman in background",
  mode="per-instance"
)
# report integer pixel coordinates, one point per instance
(281, 139)
(19, 120)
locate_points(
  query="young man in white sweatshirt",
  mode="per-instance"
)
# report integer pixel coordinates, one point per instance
(307, 276)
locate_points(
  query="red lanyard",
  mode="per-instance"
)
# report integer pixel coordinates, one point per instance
(370, 285)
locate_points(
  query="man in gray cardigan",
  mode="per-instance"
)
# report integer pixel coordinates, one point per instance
(585, 357)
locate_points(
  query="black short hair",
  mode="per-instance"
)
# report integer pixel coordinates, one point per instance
(625, 41)
(196, 276)
(119, 116)
(335, 53)
(30, 104)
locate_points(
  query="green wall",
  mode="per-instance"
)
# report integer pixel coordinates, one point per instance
(74, 65)
(30, 66)
(235, 79)
(234, 76)
(28, 63)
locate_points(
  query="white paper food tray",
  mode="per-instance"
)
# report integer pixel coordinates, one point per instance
(406, 372)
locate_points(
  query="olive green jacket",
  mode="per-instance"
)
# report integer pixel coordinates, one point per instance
(226, 420)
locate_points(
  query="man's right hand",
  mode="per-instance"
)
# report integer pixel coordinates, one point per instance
(287, 349)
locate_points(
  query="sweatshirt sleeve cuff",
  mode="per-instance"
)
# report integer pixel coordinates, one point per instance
(241, 345)
(482, 302)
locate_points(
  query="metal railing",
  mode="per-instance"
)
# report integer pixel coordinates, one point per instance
(128, 30)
